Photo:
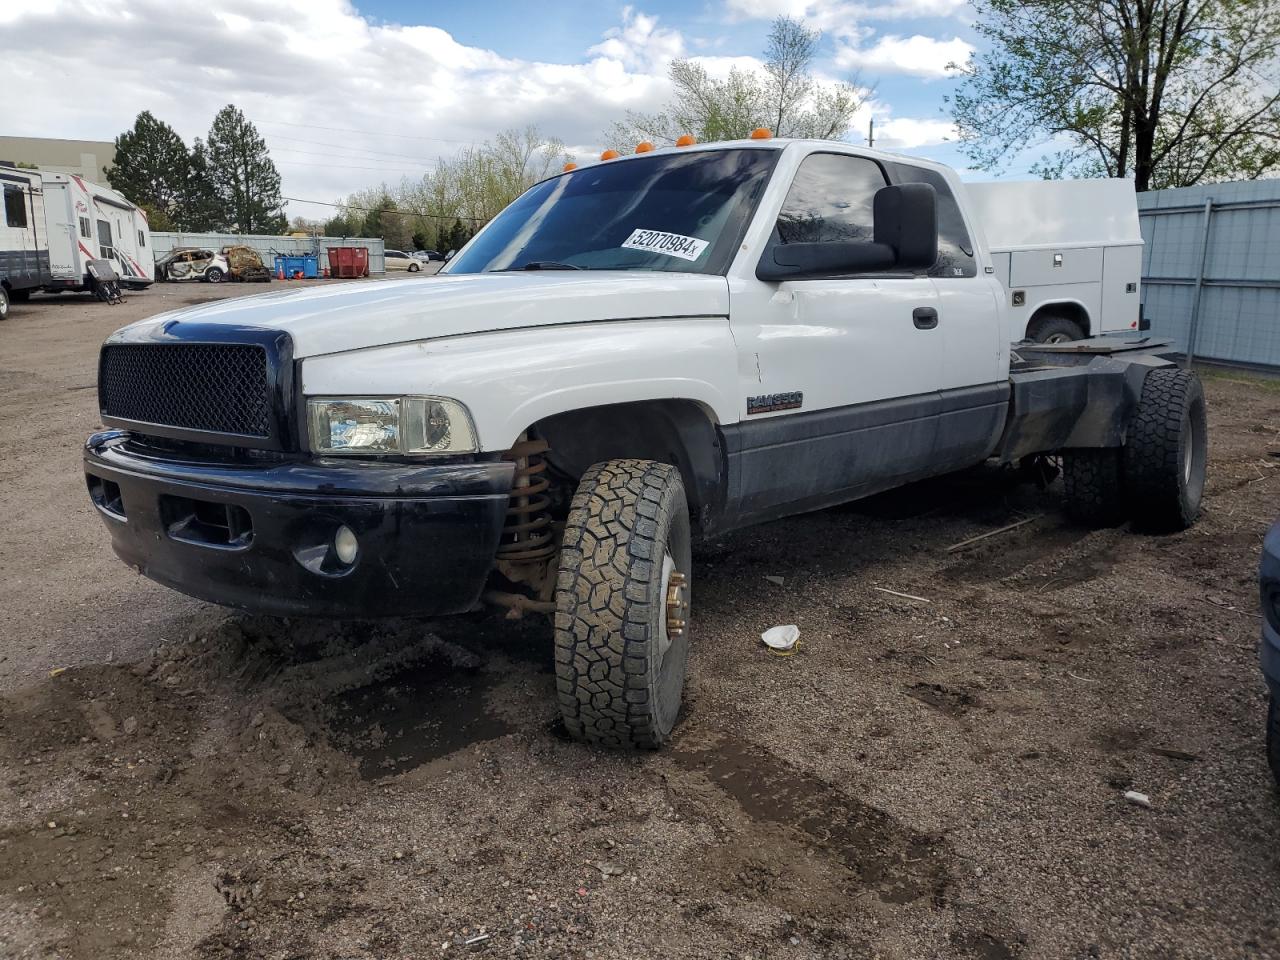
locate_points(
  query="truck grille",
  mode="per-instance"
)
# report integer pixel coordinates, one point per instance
(219, 388)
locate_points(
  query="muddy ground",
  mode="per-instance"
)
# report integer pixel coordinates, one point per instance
(926, 778)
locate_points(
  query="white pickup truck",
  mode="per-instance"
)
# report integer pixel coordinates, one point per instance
(633, 354)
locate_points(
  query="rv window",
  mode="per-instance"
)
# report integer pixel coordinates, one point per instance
(142, 239)
(15, 207)
(84, 228)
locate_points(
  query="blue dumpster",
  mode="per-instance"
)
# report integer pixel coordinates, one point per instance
(308, 265)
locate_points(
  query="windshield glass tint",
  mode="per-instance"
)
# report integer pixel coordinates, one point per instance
(682, 212)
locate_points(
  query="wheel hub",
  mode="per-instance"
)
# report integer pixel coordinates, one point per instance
(676, 605)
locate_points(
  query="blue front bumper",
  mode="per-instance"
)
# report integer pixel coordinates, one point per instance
(1269, 585)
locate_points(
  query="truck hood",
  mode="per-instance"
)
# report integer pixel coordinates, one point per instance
(353, 316)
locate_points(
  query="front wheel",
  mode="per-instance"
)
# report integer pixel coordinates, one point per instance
(414, 268)
(1166, 451)
(214, 275)
(622, 605)
(4, 304)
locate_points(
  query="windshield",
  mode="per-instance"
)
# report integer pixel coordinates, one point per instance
(681, 212)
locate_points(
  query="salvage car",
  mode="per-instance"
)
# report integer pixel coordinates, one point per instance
(244, 264)
(399, 260)
(193, 264)
(634, 354)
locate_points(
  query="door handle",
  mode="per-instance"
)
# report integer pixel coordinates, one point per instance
(925, 318)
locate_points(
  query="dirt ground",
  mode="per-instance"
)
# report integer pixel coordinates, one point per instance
(940, 777)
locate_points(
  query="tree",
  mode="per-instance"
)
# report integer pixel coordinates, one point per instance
(339, 226)
(246, 180)
(1168, 92)
(201, 208)
(150, 169)
(785, 97)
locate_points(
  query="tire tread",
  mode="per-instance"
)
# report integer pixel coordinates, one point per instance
(610, 556)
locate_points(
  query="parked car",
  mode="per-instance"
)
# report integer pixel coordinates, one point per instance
(585, 395)
(399, 260)
(1269, 650)
(245, 264)
(428, 255)
(193, 264)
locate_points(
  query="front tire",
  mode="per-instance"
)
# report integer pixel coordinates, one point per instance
(1166, 451)
(622, 602)
(4, 304)
(414, 268)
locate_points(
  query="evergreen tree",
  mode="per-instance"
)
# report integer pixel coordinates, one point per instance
(151, 169)
(201, 209)
(244, 177)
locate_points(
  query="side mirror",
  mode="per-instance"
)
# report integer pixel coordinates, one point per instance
(904, 237)
(906, 219)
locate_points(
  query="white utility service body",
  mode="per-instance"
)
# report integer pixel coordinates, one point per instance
(632, 354)
(1065, 249)
(88, 221)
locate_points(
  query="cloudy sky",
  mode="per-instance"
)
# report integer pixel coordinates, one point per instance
(350, 93)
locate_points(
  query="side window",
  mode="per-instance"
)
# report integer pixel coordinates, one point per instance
(830, 199)
(955, 248)
(15, 207)
(85, 230)
(142, 239)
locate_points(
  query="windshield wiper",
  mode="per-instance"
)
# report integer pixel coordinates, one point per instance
(545, 265)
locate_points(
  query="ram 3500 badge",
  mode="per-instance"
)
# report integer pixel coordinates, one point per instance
(632, 355)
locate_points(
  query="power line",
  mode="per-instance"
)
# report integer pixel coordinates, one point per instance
(366, 150)
(402, 213)
(367, 133)
(346, 166)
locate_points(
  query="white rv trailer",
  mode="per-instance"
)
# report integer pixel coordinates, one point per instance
(88, 221)
(1069, 253)
(24, 240)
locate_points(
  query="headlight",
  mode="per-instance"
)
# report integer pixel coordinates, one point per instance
(394, 425)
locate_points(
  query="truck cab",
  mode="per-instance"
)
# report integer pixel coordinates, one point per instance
(634, 354)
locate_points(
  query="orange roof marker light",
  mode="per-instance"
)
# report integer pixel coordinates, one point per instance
(686, 140)
(644, 146)
(570, 166)
(609, 155)
(761, 133)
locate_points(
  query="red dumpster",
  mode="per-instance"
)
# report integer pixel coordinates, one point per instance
(348, 262)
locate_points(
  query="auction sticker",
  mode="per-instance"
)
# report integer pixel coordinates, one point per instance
(672, 244)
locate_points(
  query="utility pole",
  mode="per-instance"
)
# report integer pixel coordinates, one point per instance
(871, 133)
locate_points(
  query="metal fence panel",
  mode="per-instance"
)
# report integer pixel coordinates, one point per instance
(1231, 255)
(268, 246)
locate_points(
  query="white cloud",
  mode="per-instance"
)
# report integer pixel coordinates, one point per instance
(640, 42)
(310, 73)
(841, 17)
(910, 133)
(917, 55)
(416, 91)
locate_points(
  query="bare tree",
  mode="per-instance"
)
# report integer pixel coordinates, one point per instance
(1169, 92)
(784, 97)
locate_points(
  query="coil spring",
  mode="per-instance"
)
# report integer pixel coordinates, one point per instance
(527, 534)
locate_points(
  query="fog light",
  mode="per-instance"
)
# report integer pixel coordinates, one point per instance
(345, 545)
